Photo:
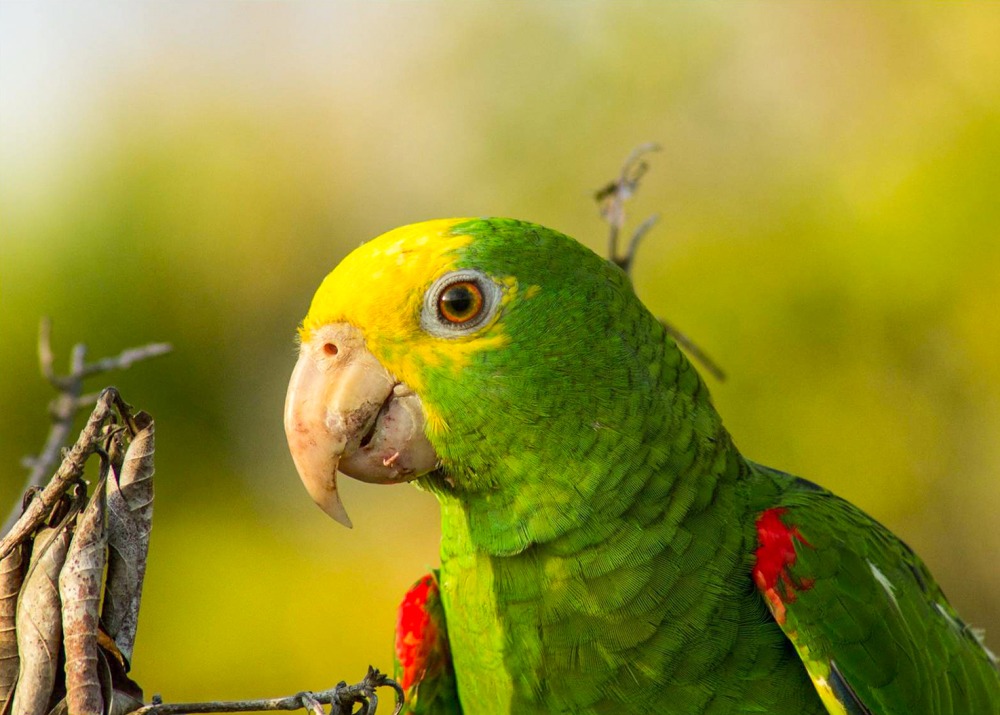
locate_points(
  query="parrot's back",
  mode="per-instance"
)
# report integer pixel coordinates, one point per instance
(872, 627)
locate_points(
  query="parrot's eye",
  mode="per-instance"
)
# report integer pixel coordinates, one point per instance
(458, 303)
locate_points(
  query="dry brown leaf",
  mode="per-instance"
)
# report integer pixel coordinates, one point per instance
(11, 578)
(130, 519)
(80, 590)
(121, 694)
(39, 622)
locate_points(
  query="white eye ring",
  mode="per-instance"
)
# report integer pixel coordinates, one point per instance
(433, 319)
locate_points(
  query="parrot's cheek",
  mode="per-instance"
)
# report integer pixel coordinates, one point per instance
(345, 411)
(395, 449)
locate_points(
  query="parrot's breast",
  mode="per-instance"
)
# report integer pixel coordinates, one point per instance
(476, 633)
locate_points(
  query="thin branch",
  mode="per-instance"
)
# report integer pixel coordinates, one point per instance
(696, 352)
(625, 262)
(45, 357)
(70, 400)
(611, 200)
(63, 409)
(340, 697)
(124, 360)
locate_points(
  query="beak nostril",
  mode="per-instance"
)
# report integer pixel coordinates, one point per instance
(330, 349)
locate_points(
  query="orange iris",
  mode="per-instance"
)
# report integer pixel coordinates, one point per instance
(460, 302)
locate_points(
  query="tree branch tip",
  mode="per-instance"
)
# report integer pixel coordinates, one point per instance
(641, 151)
(647, 147)
(695, 351)
(45, 355)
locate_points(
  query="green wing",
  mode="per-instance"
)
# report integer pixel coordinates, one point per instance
(423, 661)
(873, 629)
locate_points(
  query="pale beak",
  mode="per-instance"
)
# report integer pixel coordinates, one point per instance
(345, 410)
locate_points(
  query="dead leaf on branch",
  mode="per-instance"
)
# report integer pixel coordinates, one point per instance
(39, 622)
(80, 591)
(130, 520)
(11, 579)
(121, 694)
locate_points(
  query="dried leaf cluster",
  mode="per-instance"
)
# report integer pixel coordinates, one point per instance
(72, 569)
(73, 560)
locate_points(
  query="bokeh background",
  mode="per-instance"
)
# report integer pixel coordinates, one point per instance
(189, 173)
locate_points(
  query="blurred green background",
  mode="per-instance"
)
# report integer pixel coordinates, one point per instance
(190, 172)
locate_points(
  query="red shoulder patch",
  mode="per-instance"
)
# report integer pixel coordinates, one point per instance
(417, 631)
(775, 553)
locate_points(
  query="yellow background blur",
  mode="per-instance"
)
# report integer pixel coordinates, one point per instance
(190, 172)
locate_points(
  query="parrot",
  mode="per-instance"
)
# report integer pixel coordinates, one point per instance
(605, 547)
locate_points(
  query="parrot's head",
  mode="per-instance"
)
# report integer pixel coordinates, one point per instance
(497, 360)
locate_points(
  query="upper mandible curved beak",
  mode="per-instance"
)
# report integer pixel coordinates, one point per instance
(345, 410)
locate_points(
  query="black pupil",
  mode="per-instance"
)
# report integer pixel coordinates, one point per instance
(458, 301)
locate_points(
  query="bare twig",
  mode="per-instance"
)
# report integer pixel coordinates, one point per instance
(342, 698)
(63, 409)
(123, 360)
(625, 262)
(696, 352)
(611, 200)
(70, 399)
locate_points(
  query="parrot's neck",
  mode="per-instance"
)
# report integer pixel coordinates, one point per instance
(540, 580)
(569, 462)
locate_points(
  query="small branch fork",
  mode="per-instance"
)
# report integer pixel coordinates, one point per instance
(341, 700)
(70, 401)
(611, 201)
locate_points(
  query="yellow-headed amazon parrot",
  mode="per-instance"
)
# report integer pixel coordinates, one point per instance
(605, 546)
